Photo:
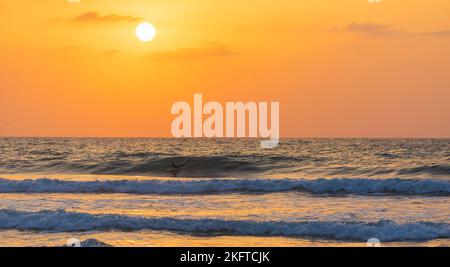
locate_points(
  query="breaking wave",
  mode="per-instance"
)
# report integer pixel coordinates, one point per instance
(384, 230)
(205, 186)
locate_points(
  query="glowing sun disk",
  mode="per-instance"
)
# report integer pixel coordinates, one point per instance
(145, 32)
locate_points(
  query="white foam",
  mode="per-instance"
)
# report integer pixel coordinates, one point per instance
(204, 186)
(385, 230)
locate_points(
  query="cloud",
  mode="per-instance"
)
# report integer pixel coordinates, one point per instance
(195, 53)
(95, 17)
(373, 29)
(111, 52)
(438, 33)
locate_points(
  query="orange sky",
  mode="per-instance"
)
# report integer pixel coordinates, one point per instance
(346, 68)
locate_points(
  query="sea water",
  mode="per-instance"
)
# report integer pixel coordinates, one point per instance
(224, 192)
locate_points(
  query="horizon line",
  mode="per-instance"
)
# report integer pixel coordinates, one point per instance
(285, 137)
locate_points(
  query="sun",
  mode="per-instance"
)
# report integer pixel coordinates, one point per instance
(145, 32)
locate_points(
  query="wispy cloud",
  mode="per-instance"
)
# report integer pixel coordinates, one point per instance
(373, 29)
(95, 17)
(111, 52)
(438, 33)
(194, 53)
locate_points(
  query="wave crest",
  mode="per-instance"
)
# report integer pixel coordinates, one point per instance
(205, 186)
(384, 230)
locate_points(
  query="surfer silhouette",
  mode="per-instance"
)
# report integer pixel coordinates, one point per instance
(175, 168)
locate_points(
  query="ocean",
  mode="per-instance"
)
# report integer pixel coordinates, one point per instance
(224, 192)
